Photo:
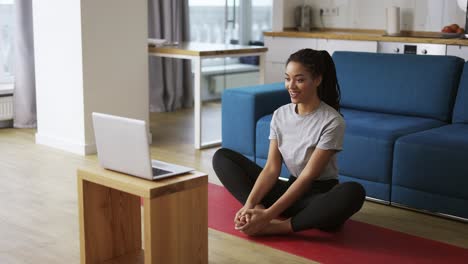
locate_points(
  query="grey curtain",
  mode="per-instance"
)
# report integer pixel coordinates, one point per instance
(24, 95)
(170, 79)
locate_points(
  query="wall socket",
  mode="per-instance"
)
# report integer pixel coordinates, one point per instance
(329, 11)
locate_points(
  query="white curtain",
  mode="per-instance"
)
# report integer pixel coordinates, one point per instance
(170, 79)
(24, 95)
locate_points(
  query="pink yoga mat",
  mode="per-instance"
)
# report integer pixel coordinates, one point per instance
(356, 242)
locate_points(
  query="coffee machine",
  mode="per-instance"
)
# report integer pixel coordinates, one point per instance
(303, 18)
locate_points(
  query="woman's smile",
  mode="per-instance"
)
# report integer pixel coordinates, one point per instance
(294, 94)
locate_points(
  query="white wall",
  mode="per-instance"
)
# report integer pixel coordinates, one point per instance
(277, 15)
(59, 82)
(90, 56)
(115, 59)
(416, 15)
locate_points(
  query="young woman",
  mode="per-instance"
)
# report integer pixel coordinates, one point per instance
(306, 135)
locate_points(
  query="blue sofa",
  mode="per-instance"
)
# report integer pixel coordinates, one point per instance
(406, 139)
(430, 168)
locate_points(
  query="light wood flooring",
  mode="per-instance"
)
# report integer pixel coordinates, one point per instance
(38, 200)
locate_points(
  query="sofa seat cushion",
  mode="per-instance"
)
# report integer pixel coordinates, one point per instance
(434, 161)
(369, 139)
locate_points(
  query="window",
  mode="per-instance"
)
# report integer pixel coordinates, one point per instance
(6, 41)
(229, 22)
(261, 18)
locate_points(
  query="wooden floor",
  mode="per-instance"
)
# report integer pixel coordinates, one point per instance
(38, 200)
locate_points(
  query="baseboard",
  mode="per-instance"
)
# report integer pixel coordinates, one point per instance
(449, 216)
(74, 147)
(375, 200)
(79, 148)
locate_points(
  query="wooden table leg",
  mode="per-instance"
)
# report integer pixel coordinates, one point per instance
(176, 227)
(110, 222)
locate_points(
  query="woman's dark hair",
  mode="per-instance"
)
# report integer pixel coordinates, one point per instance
(320, 63)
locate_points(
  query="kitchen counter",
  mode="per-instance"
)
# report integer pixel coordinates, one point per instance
(370, 35)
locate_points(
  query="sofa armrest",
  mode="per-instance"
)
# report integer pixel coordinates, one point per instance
(242, 107)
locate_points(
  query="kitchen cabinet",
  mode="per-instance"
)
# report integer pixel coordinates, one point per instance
(279, 49)
(332, 45)
(459, 51)
(274, 72)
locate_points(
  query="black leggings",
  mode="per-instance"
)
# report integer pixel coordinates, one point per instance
(326, 205)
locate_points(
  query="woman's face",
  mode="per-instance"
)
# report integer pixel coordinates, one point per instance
(302, 87)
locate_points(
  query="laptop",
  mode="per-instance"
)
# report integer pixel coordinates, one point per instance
(123, 145)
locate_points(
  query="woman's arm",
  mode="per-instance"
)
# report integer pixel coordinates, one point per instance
(267, 177)
(316, 164)
(330, 142)
(265, 181)
(258, 218)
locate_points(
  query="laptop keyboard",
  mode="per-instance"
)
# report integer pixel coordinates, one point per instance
(157, 172)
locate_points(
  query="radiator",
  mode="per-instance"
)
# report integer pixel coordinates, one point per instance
(6, 108)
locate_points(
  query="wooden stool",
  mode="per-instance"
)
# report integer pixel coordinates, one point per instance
(175, 218)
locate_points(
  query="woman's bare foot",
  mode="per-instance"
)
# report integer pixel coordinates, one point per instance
(276, 227)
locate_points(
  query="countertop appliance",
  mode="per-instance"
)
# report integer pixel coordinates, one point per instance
(303, 17)
(411, 48)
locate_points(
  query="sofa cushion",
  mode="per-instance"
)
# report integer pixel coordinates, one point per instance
(375, 190)
(460, 111)
(429, 201)
(423, 86)
(369, 139)
(242, 107)
(434, 161)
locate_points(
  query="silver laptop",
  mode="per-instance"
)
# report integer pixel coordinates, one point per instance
(123, 145)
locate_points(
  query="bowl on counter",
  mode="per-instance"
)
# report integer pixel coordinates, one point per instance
(452, 35)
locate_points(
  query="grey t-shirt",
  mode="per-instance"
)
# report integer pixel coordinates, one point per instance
(299, 135)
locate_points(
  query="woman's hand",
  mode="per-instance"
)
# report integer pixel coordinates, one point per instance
(242, 217)
(256, 220)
